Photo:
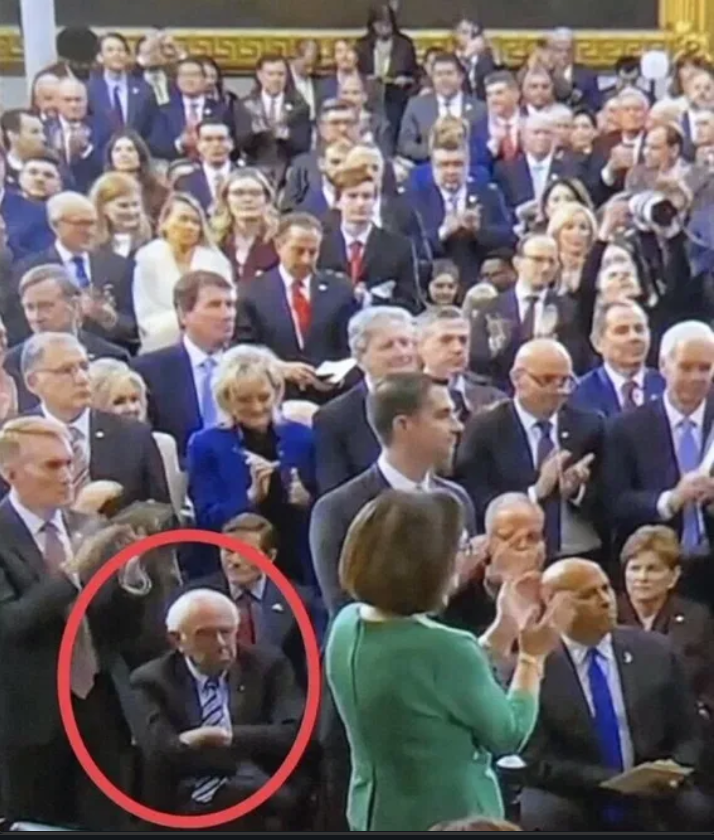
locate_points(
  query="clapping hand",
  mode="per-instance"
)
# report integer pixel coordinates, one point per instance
(261, 473)
(297, 494)
(207, 736)
(550, 472)
(575, 477)
(540, 632)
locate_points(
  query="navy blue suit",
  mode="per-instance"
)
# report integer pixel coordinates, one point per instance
(515, 180)
(28, 230)
(314, 202)
(264, 317)
(142, 111)
(345, 442)
(596, 392)
(468, 252)
(196, 184)
(219, 480)
(171, 124)
(173, 403)
(586, 89)
(80, 173)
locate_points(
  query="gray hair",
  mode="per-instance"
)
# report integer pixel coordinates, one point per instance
(183, 607)
(34, 349)
(634, 93)
(57, 274)
(538, 120)
(681, 333)
(367, 322)
(504, 501)
(62, 203)
(439, 315)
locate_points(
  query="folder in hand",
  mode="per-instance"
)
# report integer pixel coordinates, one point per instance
(647, 777)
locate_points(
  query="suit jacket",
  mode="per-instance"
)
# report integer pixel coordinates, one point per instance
(501, 315)
(143, 109)
(596, 392)
(419, 118)
(640, 464)
(79, 172)
(33, 610)
(516, 182)
(196, 184)
(265, 706)
(690, 630)
(111, 274)
(28, 229)
(563, 755)
(640, 178)
(96, 347)
(171, 123)
(494, 456)
(386, 257)
(467, 251)
(264, 317)
(332, 516)
(124, 451)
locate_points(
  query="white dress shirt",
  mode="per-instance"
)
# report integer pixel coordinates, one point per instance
(453, 107)
(540, 170)
(619, 381)
(398, 481)
(675, 418)
(289, 282)
(255, 590)
(68, 258)
(608, 663)
(193, 108)
(268, 101)
(523, 292)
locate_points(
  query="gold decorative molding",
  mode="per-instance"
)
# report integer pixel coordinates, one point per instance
(237, 50)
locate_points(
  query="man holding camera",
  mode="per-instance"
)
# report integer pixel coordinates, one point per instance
(663, 162)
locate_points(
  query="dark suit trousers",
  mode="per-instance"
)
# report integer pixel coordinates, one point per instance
(46, 783)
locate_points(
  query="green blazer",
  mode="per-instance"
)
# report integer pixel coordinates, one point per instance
(424, 715)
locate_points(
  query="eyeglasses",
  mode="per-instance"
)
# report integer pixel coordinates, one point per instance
(70, 370)
(565, 384)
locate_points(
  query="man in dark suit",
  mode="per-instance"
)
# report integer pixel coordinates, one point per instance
(214, 146)
(298, 312)
(302, 78)
(611, 699)
(526, 176)
(621, 335)
(373, 126)
(175, 132)
(319, 198)
(39, 581)
(106, 447)
(462, 220)
(447, 99)
(22, 135)
(273, 127)
(118, 99)
(535, 444)
(179, 378)
(51, 301)
(221, 715)
(583, 82)
(379, 263)
(104, 277)
(25, 209)
(657, 459)
(345, 65)
(381, 342)
(476, 56)
(528, 310)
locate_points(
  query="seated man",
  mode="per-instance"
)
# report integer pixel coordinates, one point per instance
(611, 699)
(220, 717)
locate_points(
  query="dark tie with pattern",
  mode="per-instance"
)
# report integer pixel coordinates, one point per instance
(629, 389)
(528, 323)
(213, 713)
(551, 505)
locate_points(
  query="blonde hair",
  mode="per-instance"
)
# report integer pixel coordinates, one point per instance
(25, 430)
(187, 200)
(246, 362)
(565, 214)
(222, 220)
(104, 377)
(110, 187)
(364, 154)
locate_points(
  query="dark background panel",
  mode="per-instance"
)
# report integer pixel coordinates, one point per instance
(506, 14)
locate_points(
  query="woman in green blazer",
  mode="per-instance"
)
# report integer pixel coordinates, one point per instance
(423, 712)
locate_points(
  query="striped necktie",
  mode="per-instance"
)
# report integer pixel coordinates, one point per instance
(213, 713)
(80, 461)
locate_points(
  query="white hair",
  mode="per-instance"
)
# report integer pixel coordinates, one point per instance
(36, 346)
(65, 202)
(538, 120)
(558, 111)
(682, 332)
(634, 93)
(183, 607)
(504, 501)
(367, 322)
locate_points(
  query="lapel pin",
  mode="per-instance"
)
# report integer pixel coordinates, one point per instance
(278, 608)
(628, 657)
(99, 434)
(322, 287)
(679, 619)
(135, 90)
(241, 688)
(565, 434)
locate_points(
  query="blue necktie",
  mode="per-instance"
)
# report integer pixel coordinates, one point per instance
(80, 272)
(551, 505)
(209, 410)
(212, 714)
(117, 105)
(689, 456)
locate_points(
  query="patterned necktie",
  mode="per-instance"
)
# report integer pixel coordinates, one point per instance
(80, 462)
(460, 407)
(117, 105)
(213, 713)
(689, 456)
(209, 410)
(629, 389)
(528, 322)
(54, 554)
(194, 113)
(356, 250)
(80, 272)
(301, 308)
(551, 505)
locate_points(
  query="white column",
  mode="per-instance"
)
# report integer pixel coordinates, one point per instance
(39, 32)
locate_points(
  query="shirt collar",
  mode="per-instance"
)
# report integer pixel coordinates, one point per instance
(80, 423)
(579, 653)
(542, 164)
(675, 417)
(212, 173)
(329, 192)
(200, 678)
(529, 421)
(14, 162)
(33, 522)
(257, 590)
(65, 255)
(523, 292)
(290, 281)
(197, 356)
(397, 481)
(455, 100)
(189, 100)
(121, 82)
(618, 380)
(361, 238)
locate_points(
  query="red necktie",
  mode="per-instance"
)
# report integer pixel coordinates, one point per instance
(356, 251)
(301, 308)
(246, 626)
(509, 148)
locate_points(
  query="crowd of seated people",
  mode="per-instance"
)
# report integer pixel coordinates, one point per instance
(436, 339)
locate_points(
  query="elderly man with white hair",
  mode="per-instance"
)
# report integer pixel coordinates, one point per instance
(221, 717)
(382, 341)
(656, 469)
(104, 277)
(583, 82)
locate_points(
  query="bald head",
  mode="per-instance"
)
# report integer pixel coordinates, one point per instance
(542, 377)
(592, 598)
(72, 99)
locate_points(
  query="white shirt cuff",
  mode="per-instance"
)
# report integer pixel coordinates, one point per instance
(533, 494)
(608, 178)
(664, 507)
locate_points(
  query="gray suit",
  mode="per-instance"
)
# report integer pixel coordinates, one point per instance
(695, 177)
(419, 118)
(332, 517)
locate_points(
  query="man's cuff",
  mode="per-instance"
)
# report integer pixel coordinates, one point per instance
(134, 579)
(533, 495)
(664, 506)
(608, 177)
(577, 500)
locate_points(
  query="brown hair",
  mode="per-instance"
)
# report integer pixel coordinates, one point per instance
(476, 824)
(252, 523)
(448, 131)
(400, 552)
(301, 220)
(109, 187)
(188, 288)
(349, 177)
(655, 539)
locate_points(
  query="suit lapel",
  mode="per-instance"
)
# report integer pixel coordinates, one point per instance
(278, 296)
(627, 667)
(516, 443)
(187, 387)
(608, 392)
(20, 540)
(191, 702)
(133, 97)
(236, 690)
(563, 676)
(100, 447)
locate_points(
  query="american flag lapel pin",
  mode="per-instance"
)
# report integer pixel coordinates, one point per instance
(627, 657)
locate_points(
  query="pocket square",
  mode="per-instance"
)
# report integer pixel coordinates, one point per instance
(384, 290)
(279, 608)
